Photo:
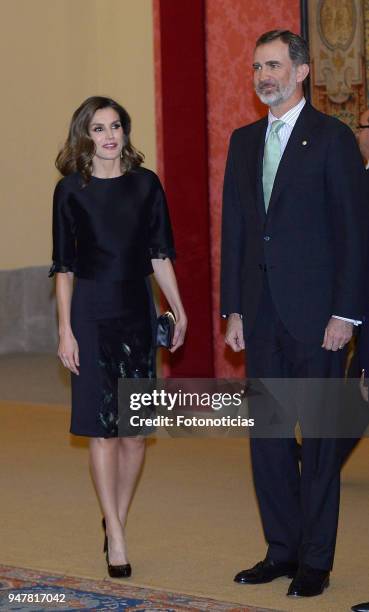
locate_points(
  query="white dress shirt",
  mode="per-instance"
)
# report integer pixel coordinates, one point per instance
(289, 118)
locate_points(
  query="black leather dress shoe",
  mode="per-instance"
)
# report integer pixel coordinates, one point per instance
(363, 607)
(308, 582)
(266, 571)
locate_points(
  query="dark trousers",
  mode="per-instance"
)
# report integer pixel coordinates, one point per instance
(299, 509)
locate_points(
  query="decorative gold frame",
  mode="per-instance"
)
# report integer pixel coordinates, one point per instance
(338, 32)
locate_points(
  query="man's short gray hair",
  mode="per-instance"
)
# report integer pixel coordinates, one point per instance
(297, 47)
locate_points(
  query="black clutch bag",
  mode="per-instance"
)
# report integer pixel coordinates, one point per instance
(165, 329)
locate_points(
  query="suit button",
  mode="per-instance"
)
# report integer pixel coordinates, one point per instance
(266, 238)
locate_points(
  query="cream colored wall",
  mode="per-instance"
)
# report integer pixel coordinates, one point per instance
(54, 54)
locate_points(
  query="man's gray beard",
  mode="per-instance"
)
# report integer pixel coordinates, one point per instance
(275, 99)
(271, 99)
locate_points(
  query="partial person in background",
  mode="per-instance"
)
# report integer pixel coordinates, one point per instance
(362, 348)
(363, 342)
(359, 364)
(293, 266)
(111, 231)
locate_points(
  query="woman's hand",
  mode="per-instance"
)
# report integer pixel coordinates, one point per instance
(179, 332)
(68, 348)
(166, 279)
(68, 352)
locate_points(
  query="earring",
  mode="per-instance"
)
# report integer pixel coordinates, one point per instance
(121, 154)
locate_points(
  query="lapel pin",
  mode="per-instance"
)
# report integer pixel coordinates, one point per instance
(304, 143)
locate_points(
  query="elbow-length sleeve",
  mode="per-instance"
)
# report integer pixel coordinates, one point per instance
(64, 243)
(161, 236)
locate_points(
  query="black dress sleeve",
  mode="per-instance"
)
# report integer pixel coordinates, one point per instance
(64, 243)
(161, 236)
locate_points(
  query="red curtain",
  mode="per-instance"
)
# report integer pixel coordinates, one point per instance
(203, 56)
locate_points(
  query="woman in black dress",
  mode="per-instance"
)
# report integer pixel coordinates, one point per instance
(111, 230)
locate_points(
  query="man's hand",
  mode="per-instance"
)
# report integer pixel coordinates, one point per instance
(337, 334)
(234, 333)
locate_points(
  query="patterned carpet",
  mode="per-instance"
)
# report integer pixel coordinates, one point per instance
(29, 590)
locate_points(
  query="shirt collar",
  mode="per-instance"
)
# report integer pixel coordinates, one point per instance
(290, 117)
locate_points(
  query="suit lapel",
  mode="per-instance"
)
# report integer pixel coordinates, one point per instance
(294, 153)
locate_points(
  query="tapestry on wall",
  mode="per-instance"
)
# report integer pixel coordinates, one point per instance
(338, 32)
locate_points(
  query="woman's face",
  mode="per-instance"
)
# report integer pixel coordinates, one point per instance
(107, 133)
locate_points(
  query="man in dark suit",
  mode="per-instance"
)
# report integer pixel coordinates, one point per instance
(293, 251)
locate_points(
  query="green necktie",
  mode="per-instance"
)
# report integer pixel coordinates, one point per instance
(272, 156)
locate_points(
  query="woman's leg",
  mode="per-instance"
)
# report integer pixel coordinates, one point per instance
(130, 458)
(104, 453)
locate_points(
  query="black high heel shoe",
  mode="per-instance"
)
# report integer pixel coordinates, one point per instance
(115, 571)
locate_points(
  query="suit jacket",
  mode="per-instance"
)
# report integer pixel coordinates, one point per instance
(312, 241)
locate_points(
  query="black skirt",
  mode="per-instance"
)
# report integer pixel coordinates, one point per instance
(113, 323)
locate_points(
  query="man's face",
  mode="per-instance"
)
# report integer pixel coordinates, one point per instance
(363, 135)
(275, 76)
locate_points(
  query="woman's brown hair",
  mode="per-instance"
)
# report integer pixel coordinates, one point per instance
(79, 148)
